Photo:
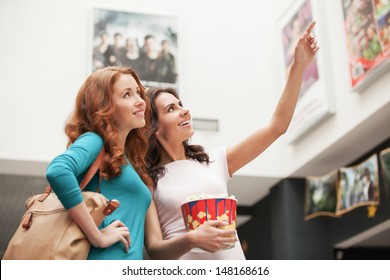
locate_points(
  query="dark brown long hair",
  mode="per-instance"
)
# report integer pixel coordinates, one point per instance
(153, 157)
(93, 112)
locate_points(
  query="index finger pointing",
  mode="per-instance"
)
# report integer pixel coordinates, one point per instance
(310, 27)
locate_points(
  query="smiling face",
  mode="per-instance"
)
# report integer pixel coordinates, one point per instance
(174, 121)
(130, 107)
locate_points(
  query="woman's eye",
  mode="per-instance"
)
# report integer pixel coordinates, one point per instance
(127, 94)
(170, 109)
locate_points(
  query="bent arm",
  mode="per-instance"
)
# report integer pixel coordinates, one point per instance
(63, 175)
(206, 237)
(158, 248)
(251, 147)
(116, 231)
(83, 219)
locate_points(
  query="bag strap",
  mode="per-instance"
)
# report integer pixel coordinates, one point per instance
(92, 170)
(87, 177)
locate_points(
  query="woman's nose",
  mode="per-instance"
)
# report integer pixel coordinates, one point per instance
(185, 111)
(139, 102)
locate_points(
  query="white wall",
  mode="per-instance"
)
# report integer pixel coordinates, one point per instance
(345, 136)
(229, 68)
(230, 72)
(45, 50)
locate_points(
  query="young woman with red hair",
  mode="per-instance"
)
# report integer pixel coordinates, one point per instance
(110, 112)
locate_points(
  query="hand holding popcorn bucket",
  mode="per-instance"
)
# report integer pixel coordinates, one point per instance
(198, 209)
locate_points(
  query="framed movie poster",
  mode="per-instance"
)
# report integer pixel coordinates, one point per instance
(316, 97)
(367, 29)
(145, 42)
(384, 157)
(321, 195)
(359, 185)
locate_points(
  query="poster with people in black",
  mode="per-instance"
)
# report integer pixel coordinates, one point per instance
(359, 185)
(346, 188)
(384, 157)
(147, 43)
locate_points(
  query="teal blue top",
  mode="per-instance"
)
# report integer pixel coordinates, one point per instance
(65, 173)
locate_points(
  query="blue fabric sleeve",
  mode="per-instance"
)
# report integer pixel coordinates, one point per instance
(64, 172)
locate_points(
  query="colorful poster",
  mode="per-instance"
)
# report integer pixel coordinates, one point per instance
(367, 28)
(316, 98)
(291, 33)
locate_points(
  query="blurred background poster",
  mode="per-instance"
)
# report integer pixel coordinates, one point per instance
(367, 28)
(359, 185)
(384, 157)
(321, 195)
(147, 43)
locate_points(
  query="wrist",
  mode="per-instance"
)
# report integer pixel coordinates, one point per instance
(298, 66)
(191, 239)
(96, 239)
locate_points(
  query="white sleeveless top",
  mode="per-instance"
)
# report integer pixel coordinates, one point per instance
(185, 178)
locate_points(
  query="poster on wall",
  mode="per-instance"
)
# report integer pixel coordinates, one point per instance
(367, 29)
(359, 185)
(145, 42)
(316, 98)
(384, 157)
(321, 195)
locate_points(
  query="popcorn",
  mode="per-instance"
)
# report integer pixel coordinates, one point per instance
(197, 209)
(206, 196)
(223, 217)
(201, 214)
(195, 224)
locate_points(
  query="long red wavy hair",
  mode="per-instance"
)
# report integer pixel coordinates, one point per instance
(93, 112)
